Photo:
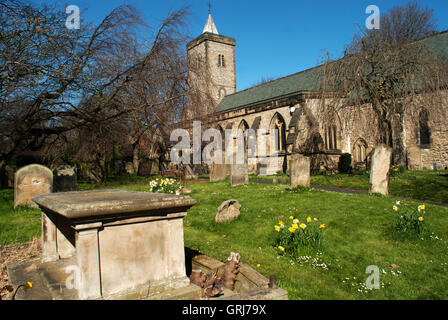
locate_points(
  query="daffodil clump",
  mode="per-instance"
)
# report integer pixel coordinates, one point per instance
(167, 185)
(395, 171)
(409, 220)
(296, 237)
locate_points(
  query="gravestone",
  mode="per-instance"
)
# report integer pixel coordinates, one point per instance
(239, 174)
(189, 173)
(218, 172)
(129, 167)
(299, 171)
(9, 172)
(228, 211)
(30, 181)
(64, 179)
(379, 174)
(414, 158)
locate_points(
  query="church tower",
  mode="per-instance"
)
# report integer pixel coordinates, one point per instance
(211, 73)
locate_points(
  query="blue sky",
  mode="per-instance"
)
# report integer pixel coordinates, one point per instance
(274, 38)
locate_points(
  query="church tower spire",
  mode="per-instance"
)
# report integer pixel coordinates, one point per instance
(210, 25)
(211, 74)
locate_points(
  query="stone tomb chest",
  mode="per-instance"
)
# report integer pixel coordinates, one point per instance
(120, 241)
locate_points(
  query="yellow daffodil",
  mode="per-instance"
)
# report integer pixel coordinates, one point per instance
(280, 222)
(258, 265)
(295, 221)
(291, 229)
(277, 228)
(302, 225)
(308, 219)
(420, 219)
(295, 226)
(322, 226)
(291, 217)
(281, 248)
(423, 207)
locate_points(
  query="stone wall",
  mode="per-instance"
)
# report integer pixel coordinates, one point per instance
(424, 156)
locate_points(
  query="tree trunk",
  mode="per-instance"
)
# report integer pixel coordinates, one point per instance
(135, 158)
(3, 175)
(398, 153)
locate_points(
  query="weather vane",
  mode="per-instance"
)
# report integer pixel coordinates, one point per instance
(209, 6)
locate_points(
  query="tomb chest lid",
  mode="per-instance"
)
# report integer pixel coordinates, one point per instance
(83, 204)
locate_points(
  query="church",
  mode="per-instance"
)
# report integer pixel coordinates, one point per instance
(292, 106)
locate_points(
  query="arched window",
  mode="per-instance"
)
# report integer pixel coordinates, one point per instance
(221, 61)
(425, 134)
(243, 127)
(331, 141)
(279, 127)
(360, 150)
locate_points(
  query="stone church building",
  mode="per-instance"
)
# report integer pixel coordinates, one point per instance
(292, 105)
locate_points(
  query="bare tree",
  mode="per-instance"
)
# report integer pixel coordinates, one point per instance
(71, 90)
(389, 69)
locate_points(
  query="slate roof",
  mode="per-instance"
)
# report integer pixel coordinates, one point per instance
(307, 80)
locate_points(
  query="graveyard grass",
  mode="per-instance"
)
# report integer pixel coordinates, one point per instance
(422, 185)
(358, 233)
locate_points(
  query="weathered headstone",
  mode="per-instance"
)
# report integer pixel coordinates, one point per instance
(299, 171)
(9, 171)
(129, 167)
(239, 174)
(414, 158)
(189, 173)
(228, 211)
(64, 179)
(30, 181)
(218, 172)
(379, 174)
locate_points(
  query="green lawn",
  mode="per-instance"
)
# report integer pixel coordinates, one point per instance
(357, 234)
(422, 185)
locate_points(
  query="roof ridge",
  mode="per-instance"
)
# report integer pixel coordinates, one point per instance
(278, 79)
(253, 90)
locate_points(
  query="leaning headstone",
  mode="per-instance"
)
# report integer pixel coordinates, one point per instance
(64, 179)
(30, 181)
(228, 211)
(379, 174)
(189, 173)
(299, 171)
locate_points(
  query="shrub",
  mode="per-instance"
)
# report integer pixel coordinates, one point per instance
(300, 238)
(345, 161)
(165, 186)
(410, 221)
